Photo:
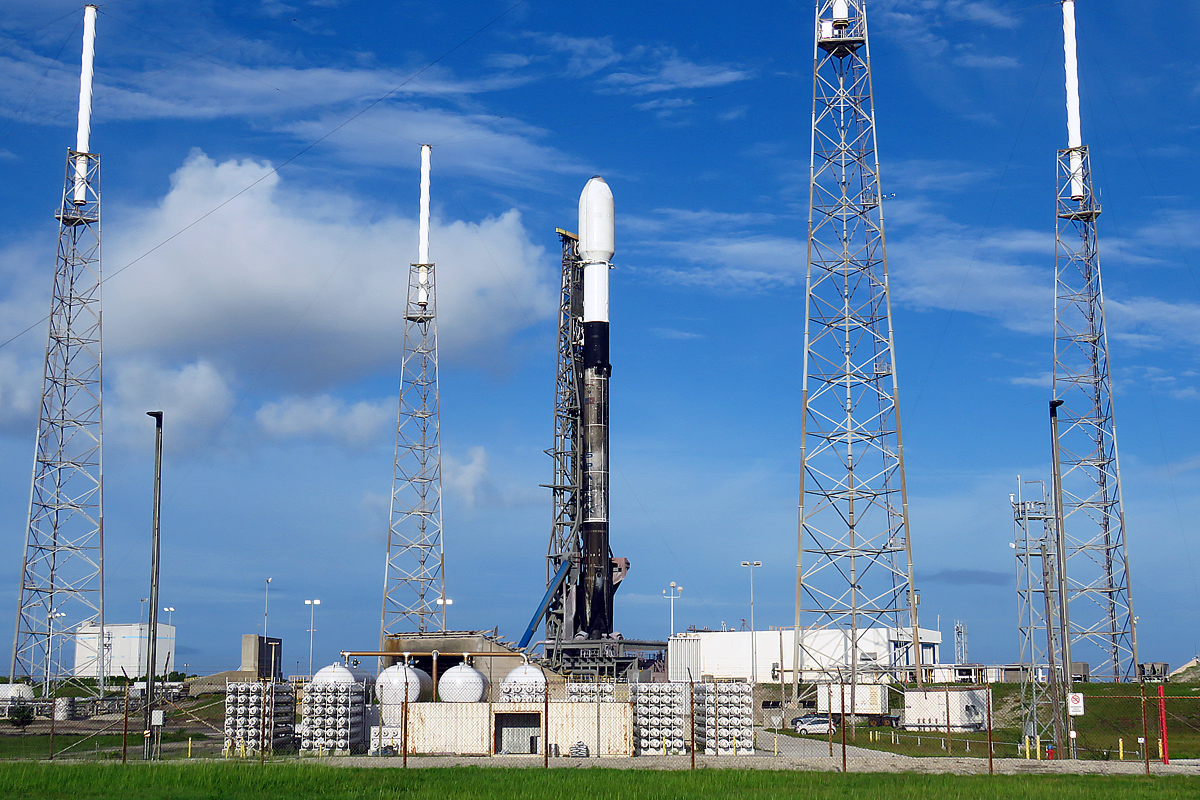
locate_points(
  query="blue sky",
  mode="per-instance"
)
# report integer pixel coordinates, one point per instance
(269, 330)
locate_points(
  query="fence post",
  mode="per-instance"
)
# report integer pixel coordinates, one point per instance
(988, 689)
(1162, 724)
(404, 738)
(545, 726)
(1145, 730)
(948, 746)
(842, 705)
(52, 715)
(692, 718)
(125, 733)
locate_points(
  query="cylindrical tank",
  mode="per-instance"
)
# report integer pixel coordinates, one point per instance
(399, 683)
(337, 673)
(16, 692)
(64, 708)
(462, 684)
(525, 680)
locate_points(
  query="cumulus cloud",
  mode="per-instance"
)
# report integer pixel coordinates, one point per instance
(327, 418)
(306, 288)
(195, 398)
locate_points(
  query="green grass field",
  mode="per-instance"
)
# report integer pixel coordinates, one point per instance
(236, 781)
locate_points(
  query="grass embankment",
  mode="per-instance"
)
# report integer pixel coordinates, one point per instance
(237, 781)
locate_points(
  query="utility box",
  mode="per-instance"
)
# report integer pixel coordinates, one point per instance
(936, 709)
(835, 698)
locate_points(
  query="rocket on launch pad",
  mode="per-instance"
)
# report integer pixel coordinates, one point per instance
(594, 596)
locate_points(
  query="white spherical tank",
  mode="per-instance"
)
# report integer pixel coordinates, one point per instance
(462, 684)
(399, 683)
(525, 679)
(341, 674)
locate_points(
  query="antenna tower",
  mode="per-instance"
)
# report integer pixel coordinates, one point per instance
(1039, 622)
(854, 561)
(61, 596)
(414, 587)
(960, 642)
(1099, 602)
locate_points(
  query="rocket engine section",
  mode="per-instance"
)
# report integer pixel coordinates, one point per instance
(597, 235)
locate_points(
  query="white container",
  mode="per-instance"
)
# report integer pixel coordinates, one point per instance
(525, 681)
(340, 674)
(15, 692)
(400, 683)
(462, 684)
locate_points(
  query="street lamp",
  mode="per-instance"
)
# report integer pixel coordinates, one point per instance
(673, 595)
(266, 606)
(170, 612)
(443, 602)
(753, 651)
(312, 616)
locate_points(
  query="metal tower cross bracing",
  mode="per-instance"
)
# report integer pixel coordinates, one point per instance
(854, 563)
(1039, 623)
(414, 589)
(565, 547)
(1096, 565)
(62, 572)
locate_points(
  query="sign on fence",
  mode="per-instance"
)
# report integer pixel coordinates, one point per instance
(1075, 704)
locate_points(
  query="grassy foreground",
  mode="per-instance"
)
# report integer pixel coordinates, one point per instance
(313, 782)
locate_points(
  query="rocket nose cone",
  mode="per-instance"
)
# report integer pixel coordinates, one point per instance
(596, 221)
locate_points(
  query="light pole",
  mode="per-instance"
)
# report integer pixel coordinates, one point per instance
(152, 631)
(266, 606)
(753, 651)
(312, 616)
(170, 612)
(50, 650)
(142, 609)
(444, 602)
(672, 594)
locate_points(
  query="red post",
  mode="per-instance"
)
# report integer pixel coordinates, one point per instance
(1162, 723)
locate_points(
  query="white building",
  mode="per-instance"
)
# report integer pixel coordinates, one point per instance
(125, 649)
(824, 653)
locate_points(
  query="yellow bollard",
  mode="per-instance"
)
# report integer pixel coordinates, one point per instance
(189, 747)
(1026, 748)
(1037, 742)
(1160, 749)
(1120, 749)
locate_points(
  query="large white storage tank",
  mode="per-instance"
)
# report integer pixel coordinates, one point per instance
(524, 684)
(341, 674)
(397, 685)
(462, 684)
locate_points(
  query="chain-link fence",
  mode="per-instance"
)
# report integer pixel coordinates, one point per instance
(662, 725)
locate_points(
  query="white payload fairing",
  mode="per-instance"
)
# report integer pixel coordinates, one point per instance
(597, 237)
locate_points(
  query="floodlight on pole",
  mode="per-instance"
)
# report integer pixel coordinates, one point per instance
(753, 652)
(170, 611)
(673, 594)
(312, 616)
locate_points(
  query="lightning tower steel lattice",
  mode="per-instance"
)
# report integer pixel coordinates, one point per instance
(1096, 572)
(1039, 623)
(414, 587)
(565, 532)
(854, 561)
(62, 571)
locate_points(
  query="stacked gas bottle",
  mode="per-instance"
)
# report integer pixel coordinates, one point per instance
(591, 692)
(258, 714)
(724, 719)
(334, 711)
(525, 684)
(660, 718)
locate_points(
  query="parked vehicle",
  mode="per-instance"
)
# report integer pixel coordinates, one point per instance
(818, 724)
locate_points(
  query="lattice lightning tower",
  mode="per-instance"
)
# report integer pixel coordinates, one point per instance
(414, 587)
(854, 562)
(62, 572)
(1098, 591)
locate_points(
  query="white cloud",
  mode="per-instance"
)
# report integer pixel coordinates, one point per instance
(195, 398)
(586, 55)
(469, 477)
(306, 287)
(673, 73)
(20, 392)
(327, 418)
